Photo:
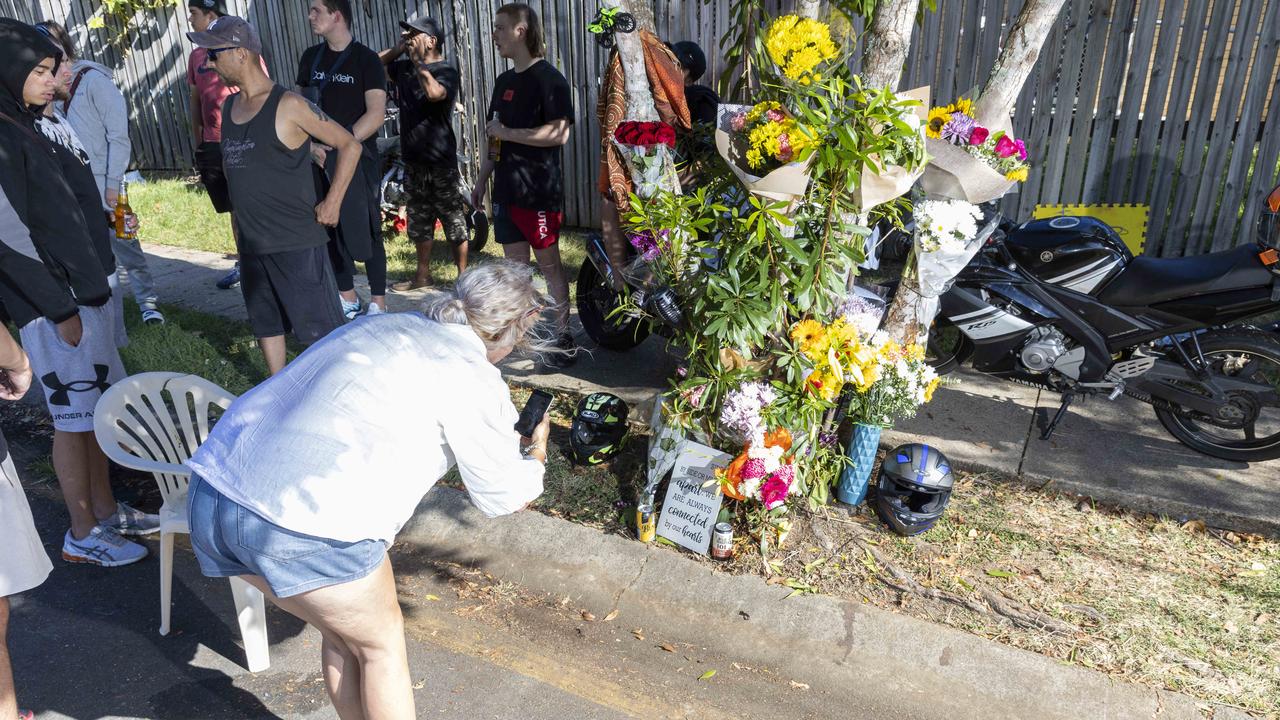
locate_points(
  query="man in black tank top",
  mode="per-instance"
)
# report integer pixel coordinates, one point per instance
(285, 275)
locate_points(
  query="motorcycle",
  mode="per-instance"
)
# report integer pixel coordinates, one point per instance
(621, 320)
(1061, 304)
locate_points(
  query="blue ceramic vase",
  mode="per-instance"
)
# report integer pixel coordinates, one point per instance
(852, 488)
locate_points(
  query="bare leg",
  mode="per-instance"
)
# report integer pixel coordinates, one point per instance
(8, 698)
(615, 241)
(552, 268)
(460, 251)
(70, 464)
(104, 501)
(273, 351)
(423, 274)
(365, 616)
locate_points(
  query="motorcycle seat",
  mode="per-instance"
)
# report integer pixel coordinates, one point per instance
(1148, 280)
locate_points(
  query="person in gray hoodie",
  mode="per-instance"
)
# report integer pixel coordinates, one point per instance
(98, 112)
(52, 286)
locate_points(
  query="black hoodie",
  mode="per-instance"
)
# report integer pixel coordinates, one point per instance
(44, 203)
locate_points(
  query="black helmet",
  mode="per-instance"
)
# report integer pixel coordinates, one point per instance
(914, 488)
(599, 429)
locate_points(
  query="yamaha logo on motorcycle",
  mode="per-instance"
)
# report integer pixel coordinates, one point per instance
(1066, 307)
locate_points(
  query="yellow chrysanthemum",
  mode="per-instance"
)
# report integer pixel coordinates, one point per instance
(798, 46)
(932, 386)
(807, 334)
(1017, 175)
(915, 352)
(938, 117)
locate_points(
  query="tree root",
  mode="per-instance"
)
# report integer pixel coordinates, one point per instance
(992, 604)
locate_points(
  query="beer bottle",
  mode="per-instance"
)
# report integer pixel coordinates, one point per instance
(495, 145)
(124, 214)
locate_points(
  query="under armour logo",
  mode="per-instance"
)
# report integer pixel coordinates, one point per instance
(61, 394)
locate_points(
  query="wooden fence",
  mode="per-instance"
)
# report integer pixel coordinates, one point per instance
(1160, 102)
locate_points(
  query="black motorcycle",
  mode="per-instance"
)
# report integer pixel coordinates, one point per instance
(1062, 304)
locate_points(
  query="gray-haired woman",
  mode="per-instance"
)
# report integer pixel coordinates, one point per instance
(305, 481)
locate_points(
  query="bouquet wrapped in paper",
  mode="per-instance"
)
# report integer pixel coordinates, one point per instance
(767, 149)
(893, 180)
(969, 160)
(946, 232)
(647, 148)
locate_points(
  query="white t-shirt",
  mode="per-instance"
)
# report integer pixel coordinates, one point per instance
(345, 441)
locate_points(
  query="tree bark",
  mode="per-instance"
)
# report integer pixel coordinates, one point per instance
(631, 50)
(1013, 66)
(1016, 60)
(808, 8)
(887, 42)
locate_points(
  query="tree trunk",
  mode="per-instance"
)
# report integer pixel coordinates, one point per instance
(887, 42)
(808, 8)
(631, 50)
(904, 321)
(1016, 60)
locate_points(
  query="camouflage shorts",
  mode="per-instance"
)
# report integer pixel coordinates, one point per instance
(433, 195)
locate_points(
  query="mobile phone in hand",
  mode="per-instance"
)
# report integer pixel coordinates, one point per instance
(538, 404)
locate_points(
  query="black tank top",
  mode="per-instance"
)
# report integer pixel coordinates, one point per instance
(272, 189)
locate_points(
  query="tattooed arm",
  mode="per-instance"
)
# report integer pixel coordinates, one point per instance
(299, 119)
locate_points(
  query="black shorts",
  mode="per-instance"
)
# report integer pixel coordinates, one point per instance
(209, 165)
(291, 291)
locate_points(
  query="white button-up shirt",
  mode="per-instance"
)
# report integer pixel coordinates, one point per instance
(345, 441)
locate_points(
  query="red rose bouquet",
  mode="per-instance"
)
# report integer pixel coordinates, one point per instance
(647, 148)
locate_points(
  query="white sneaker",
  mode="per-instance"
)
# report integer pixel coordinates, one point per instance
(129, 520)
(373, 309)
(349, 309)
(102, 546)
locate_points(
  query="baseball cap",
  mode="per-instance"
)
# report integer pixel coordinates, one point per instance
(228, 31)
(424, 25)
(218, 6)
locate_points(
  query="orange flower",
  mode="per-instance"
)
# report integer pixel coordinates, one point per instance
(778, 437)
(731, 477)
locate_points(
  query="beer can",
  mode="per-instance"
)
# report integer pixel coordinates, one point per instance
(722, 541)
(646, 523)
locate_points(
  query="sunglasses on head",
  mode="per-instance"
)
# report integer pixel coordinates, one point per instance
(214, 52)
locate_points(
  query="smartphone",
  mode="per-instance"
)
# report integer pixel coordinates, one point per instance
(537, 406)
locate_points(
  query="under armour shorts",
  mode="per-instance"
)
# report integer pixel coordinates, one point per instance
(74, 377)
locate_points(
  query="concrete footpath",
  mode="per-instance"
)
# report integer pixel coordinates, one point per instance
(1115, 452)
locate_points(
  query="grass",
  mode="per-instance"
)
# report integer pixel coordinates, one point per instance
(176, 211)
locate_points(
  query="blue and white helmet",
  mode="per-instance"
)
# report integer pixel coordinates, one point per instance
(914, 488)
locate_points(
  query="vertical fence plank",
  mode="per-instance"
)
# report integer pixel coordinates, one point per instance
(1064, 102)
(1232, 228)
(1266, 171)
(1135, 84)
(949, 46)
(1100, 27)
(1104, 116)
(1222, 141)
(1187, 177)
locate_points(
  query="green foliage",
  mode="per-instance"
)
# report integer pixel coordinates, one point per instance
(118, 16)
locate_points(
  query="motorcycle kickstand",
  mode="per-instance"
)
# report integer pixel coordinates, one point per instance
(1057, 417)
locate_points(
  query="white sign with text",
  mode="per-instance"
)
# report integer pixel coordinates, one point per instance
(693, 498)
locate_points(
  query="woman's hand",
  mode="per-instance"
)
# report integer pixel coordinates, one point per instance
(536, 446)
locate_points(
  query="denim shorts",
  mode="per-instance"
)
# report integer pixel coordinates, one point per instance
(230, 539)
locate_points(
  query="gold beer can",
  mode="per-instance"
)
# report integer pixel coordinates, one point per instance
(646, 523)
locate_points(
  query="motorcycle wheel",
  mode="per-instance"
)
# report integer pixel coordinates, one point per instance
(947, 347)
(1255, 436)
(596, 300)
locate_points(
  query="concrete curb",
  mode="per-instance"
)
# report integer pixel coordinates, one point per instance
(889, 665)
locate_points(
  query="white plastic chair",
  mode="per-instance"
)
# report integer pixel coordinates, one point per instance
(154, 422)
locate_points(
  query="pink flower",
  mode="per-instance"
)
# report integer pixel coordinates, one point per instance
(753, 469)
(979, 135)
(784, 148)
(1022, 149)
(775, 115)
(787, 473)
(738, 121)
(774, 490)
(1005, 147)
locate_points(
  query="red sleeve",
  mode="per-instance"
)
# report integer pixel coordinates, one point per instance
(191, 67)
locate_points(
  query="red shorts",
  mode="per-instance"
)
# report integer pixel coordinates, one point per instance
(539, 228)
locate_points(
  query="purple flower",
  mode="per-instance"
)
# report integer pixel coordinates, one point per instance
(1022, 149)
(645, 245)
(958, 130)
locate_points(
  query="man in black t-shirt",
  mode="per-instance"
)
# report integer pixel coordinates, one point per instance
(347, 80)
(529, 118)
(426, 89)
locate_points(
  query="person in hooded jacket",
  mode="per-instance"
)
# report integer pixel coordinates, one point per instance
(100, 115)
(52, 285)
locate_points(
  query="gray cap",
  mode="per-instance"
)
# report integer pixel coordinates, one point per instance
(228, 31)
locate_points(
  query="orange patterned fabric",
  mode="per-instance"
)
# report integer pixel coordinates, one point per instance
(666, 82)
